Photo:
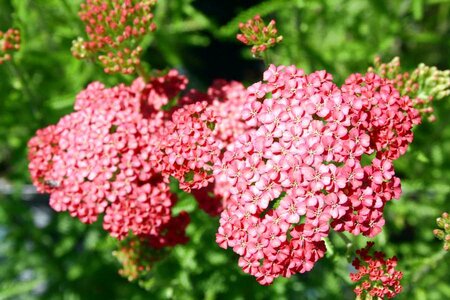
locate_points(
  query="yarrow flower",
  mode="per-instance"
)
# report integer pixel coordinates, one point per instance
(320, 158)
(376, 276)
(423, 85)
(98, 160)
(443, 233)
(256, 34)
(115, 28)
(9, 43)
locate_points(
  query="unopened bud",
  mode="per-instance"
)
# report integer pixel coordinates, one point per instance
(440, 222)
(112, 27)
(256, 34)
(439, 234)
(9, 43)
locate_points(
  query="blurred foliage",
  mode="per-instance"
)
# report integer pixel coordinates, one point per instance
(44, 255)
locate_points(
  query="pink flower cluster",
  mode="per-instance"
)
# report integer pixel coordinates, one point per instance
(376, 275)
(261, 37)
(115, 28)
(116, 153)
(98, 160)
(9, 42)
(320, 157)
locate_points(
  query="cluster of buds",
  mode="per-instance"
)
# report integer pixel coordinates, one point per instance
(423, 85)
(376, 275)
(115, 28)
(137, 257)
(300, 172)
(443, 233)
(256, 34)
(9, 43)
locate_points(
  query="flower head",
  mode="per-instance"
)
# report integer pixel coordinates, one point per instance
(256, 34)
(189, 146)
(115, 29)
(299, 172)
(376, 276)
(100, 159)
(9, 43)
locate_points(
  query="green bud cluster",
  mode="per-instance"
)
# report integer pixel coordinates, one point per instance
(137, 258)
(443, 233)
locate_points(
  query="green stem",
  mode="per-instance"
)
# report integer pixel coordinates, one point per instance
(24, 84)
(348, 243)
(266, 58)
(346, 240)
(142, 73)
(429, 264)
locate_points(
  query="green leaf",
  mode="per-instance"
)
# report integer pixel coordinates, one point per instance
(422, 157)
(329, 246)
(11, 289)
(417, 9)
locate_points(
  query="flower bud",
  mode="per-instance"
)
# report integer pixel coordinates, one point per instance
(439, 234)
(256, 34)
(9, 43)
(443, 233)
(111, 27)
(367, 264)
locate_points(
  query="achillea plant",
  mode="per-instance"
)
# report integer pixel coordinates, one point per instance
(423, 85)
(256, 34)
(300, 172)
(283, 162)
(9, 43)
(115, 29)
(376, 276)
